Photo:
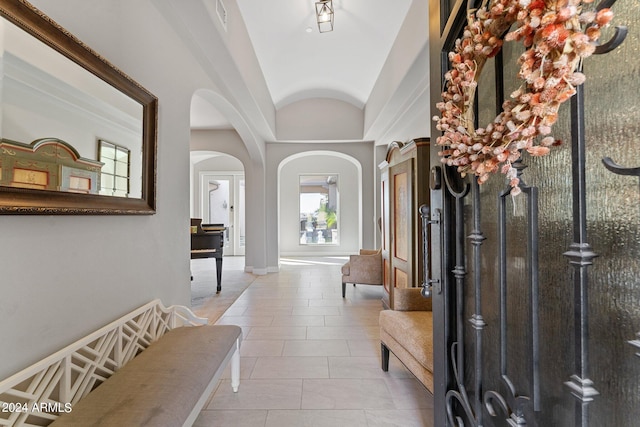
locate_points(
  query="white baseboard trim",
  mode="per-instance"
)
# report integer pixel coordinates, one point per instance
(256, 271)
(317, 254)
(273, 269)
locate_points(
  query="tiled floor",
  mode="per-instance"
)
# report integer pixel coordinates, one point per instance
(310, 357)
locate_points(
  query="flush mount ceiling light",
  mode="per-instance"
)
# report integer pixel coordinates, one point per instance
(324, 14)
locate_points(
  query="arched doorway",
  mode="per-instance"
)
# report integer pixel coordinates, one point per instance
(300, 176)
(218, 127)
(218, 188)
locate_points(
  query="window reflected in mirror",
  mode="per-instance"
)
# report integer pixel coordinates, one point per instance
(319, 210)
(115, 177)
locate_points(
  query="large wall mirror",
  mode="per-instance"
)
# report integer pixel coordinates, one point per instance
(77, 136)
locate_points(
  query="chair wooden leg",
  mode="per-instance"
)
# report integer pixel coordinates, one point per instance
(384, 353)
(344, 288)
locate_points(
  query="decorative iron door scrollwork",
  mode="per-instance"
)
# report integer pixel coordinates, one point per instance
(458, 190)
(541, 296)
(580, 252)
(514, 403)
(621, 170)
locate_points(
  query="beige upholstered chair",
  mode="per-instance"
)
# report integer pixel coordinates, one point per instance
(364, 269)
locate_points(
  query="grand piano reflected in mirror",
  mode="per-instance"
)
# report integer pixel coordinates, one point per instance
(77, 136)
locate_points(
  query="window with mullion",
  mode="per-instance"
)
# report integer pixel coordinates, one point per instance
(114, 180)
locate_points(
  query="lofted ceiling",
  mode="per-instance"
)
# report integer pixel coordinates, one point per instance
(298, 62)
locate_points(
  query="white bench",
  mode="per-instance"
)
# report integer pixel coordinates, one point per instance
(151, 366)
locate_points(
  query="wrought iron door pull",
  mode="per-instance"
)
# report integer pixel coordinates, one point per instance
(427, 282)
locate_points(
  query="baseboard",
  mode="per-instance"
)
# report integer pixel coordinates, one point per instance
(256, 271)
(273, 269)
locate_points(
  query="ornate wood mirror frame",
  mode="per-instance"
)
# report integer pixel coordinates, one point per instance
(15, 200)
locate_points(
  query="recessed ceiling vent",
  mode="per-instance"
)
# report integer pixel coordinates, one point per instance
(222, 13)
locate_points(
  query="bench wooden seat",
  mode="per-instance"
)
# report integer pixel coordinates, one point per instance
(149, 368)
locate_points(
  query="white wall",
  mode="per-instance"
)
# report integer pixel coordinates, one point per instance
(318, 119)
(65, 276)
(278, 152)
(350, 196)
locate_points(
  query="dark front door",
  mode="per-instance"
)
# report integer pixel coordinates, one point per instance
(537, 295)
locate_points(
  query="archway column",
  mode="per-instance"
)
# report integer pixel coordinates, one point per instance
(256, 220)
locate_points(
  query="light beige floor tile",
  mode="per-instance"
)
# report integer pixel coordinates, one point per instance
(346, 394)
(328, 302)
(397, 369)
(364, 347)
(366, 367)
(261, 348)
(335, 294)
(235, 311)
(316, 348)
(400, 418)
(258, 394)
(274, 302)
(290, 367)
(315, 311)
(409, 393)
(277, 333)
(338, 332)
(242, 304)
(317, 418)
(245, 320)
(355, 367)
(353, 320)
(311, 293)
(230, 418)
(267, 310)
(298, 321)
(272, 292)
(246, 368)
(372, 332)
(361, 310)
(278, 360)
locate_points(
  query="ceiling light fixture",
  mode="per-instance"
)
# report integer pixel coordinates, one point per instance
(324, 14)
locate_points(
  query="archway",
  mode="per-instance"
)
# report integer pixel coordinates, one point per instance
(218, 196)
(348, 172)
(235, 138)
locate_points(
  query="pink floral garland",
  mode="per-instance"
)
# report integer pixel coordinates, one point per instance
(557, 35)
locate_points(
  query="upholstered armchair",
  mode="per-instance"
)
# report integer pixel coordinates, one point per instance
(364, 269)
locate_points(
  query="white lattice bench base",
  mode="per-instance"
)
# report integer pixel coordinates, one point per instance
(166, 384)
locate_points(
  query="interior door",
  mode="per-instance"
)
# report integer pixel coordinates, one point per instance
(402, 211)
(223, 202)
(386, 237)
(239, 216)
(220, 192)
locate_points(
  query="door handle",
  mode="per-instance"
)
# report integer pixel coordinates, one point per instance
(427, 281)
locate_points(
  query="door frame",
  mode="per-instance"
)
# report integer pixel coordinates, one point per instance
(233, 246)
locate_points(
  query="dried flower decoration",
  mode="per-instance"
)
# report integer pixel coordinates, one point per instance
(557, 35)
